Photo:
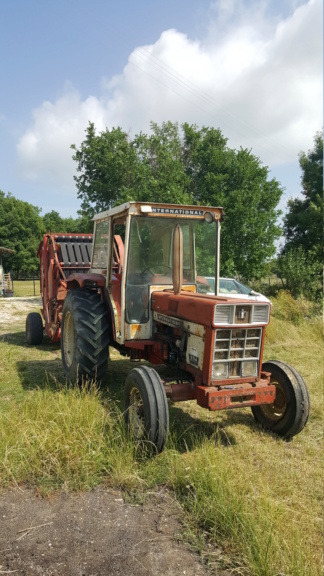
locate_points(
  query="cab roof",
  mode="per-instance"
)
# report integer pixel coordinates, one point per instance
(152, 209)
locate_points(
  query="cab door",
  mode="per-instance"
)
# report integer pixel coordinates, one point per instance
(115, 275)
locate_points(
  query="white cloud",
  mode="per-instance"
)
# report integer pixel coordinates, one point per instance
(258, 79)
(44, 150)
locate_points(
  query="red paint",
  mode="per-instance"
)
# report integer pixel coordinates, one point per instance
(235, 397)
(56, 278)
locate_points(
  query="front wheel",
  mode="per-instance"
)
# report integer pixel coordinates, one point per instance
(85, 337)
(146, 407)
(288, 414)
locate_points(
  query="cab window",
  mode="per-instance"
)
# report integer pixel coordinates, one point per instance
(100, 247)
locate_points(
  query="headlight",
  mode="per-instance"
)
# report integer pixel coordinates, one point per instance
(209, 217)
(250, 368)
(220, 370)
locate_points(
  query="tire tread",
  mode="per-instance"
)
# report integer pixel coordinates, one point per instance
(298, 410)
(34, 328)
(155, 404)
(90, 320)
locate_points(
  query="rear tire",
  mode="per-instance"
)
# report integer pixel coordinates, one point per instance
(288, 414)
(84, 337)
(34, 328)
(146, 408)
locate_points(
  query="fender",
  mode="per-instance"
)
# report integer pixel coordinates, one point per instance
(93, 281)
(84, 280)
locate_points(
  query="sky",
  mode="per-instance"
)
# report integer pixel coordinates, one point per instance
(253, 68)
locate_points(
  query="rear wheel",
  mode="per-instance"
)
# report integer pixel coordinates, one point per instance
(85, 337)
(146, 407)
(34, 328)
(288, 414)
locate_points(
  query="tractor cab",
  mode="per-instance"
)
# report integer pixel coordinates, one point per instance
(142, 248)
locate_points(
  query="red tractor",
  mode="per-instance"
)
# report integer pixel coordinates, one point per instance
(137, 292)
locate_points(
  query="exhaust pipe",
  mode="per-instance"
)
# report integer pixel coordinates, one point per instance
(177, 259)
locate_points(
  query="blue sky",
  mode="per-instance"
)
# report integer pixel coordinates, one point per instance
(252, 68)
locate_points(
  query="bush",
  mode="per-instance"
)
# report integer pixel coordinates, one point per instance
(302, 273)
(285, 307)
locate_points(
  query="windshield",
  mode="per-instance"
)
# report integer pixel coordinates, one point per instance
(150, 257)
(242, 289)
(231, 286)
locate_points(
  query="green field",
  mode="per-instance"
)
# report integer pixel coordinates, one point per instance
(254, 496)
(23, 288)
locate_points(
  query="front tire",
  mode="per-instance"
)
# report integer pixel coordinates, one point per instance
(146, 407)
(288, 414)
(84, 337)
(34, 328)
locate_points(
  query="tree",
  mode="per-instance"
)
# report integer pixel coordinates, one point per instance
(301, 260)
(107, 164)
(21, 228)
(235, 180)
(303, 224)
(114, 169)
(164, 177)
(299, 273)
(53, 222)
(190, 166)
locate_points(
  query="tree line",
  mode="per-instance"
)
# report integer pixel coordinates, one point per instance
(301, 259)
(187, 165)
(22, 228)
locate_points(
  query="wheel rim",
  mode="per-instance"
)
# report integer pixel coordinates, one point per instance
(136, 414)
(68, 339)
(277, 409)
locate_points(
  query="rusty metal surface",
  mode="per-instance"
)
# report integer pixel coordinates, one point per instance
(83, 279)
(53, 277)
(235, 396)
(186, 306)
(181, 391)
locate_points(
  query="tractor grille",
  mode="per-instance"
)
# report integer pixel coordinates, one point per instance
(222, 314)
(260, 314)
(236, 352)
(236, 314)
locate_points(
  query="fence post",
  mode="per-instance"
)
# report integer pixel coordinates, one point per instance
(34, 282)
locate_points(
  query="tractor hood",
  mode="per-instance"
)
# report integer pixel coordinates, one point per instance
(185, 306)
(208, 310)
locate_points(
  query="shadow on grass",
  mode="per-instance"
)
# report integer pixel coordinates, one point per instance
(41, 374)
(19, 339)
(188, 430)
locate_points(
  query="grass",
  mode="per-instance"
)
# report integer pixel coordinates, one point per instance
(256, 499)
(24, 288)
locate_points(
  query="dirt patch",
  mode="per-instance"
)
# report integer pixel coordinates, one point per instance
(13, 310)
(93, 534)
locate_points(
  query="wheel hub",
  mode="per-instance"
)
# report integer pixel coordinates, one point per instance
(277, 409)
